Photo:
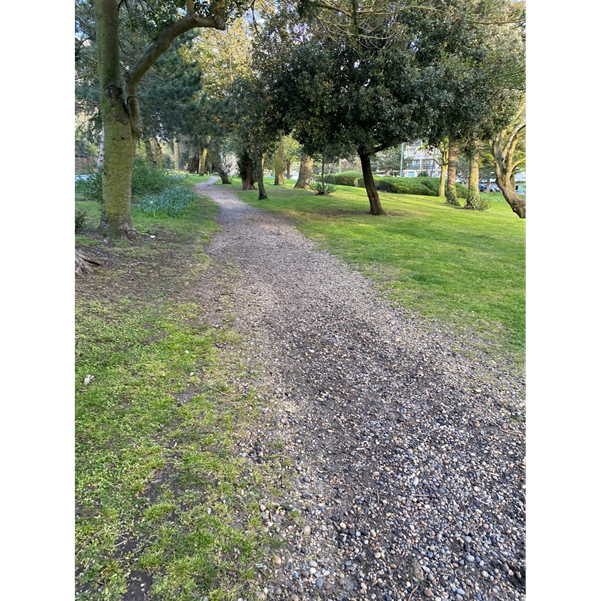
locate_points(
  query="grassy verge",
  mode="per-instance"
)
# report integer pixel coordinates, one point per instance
(166, 506)
(466, 269)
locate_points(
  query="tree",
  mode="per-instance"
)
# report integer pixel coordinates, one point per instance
(120, 107)
(372, 77)
(305, 173)
(505, 147)
(337, 93)
(451, 192)
(279, 163)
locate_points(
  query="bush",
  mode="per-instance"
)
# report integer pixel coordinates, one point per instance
(91, 187)
(148, 179)
(347, 178)
(173, 201)
(322, 190)
(430, 182)
(403, 185)
(81, 220)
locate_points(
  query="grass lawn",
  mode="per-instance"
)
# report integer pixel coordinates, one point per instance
(164, 501)
(466, 269)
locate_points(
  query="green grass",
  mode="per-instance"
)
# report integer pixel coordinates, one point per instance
(466, 269)
(161, 491)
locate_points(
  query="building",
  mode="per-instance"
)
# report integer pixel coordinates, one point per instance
(417, 159)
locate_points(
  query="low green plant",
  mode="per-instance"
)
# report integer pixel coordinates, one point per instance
(475, 202)
(322, 190)
(81, 220)
(173, 201)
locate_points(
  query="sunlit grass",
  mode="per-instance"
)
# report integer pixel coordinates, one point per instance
(463, 268)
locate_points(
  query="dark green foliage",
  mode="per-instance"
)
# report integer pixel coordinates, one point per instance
(91, 187)
(403, 185)
(146, 179)
(429, 182)
(347, 178)
(81, 220)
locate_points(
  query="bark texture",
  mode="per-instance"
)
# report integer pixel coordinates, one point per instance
(260, 182)
(375, 208)
(503, 147)
(279, 164)
(119, 144)
(473, 192)
(444, 166)
(305, 173)
(451, 192)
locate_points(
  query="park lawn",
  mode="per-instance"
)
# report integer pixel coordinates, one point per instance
(163, 497)
(465, 269)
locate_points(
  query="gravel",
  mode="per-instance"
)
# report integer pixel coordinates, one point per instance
(406, 455)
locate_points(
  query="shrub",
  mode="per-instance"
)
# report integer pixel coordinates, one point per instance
(461, 190)
(148, 179)
(475, 202)
(81, 220)
(430, 183)
(347, 178)
(322, 190)
(403, 185)
(173, 201)
(91, 187)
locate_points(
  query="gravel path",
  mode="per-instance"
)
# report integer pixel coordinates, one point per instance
(407, 458)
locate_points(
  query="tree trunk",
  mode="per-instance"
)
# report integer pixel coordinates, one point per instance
(202, 163)
(217, 161)
(504, 146)
(192, 164)
(246, 172)
(288, 165)
(444, 166)
(305, 173)
(262, 193)
(375, 208)
(158, 153)
(473, 191)
(119, 143)
(279, 164)
(100, 161)
(176, 155)
(451, 193)
(515, 200)
(323, 178)
(150, 160)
